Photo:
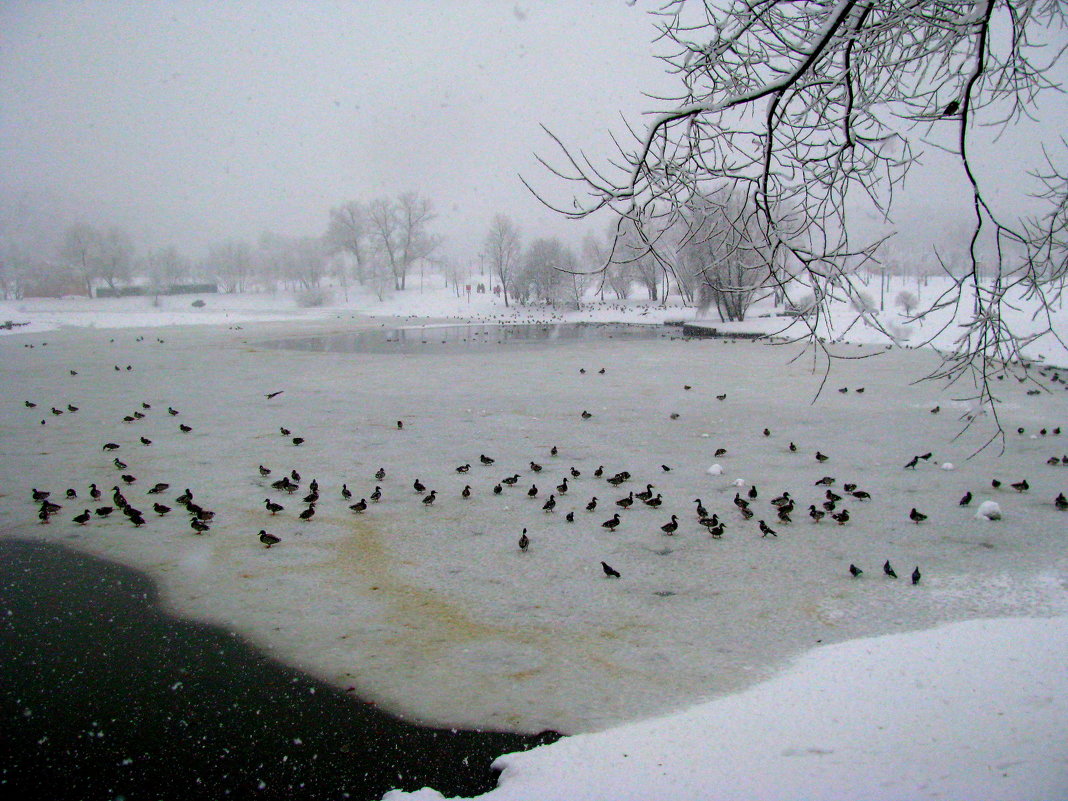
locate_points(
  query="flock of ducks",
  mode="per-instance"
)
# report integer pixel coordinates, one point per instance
(779, 510)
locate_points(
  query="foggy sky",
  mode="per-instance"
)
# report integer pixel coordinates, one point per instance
(194, 122)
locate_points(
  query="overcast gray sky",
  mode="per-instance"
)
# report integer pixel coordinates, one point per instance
(192, 122)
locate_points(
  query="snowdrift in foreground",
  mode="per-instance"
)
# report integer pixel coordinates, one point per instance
(975, 710)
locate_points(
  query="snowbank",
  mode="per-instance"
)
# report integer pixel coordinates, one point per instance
(975, 710)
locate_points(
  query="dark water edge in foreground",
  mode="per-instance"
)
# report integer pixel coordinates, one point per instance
(104, 696)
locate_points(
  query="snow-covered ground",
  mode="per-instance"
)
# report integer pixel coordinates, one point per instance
(428, 298)
(433, 611)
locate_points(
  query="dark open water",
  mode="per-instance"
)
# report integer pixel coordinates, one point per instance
(104, 696)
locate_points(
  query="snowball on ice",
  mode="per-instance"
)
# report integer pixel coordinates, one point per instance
(715, 470)
(948, 466)
(988, 510)
(739, 482)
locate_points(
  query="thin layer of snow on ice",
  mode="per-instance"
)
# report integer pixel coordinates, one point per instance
(975, 710)
(434, 611)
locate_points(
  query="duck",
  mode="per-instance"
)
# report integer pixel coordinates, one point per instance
(550, 504)
(654, 502)
(485, 459)
(753, 493)
(533, 491)
(841, 518)
(821, 457)
(586, 415)
(172, 411)
(765, 530)
(782, 500)
(198, 526)
(284, 431)
(104, 511)
(40, 495)
(94, 492)
(346, 493)
(184, 428)
(511, 480)
(463, 468)
(611, 523)
(110, 446)
(553, 451)
(380, 474)
(160, 509)
(497, 489)
(701, 510)
(609, 571)
(861, 495)
(792, 448)
(298, 441)
(854, 570)
(1061, 502)
(888, 570)
(83, 518)
(466, 491)
(721, 452)
(1021, 486)
(418, 486)
(570, 517)
(535, 467)
(429, 499)
(916, 575)
(264, 471)
(592, 504)
(784, 516)
(562, 486)
(307, 514)
(671, 526)
(849, 487)
(269, 539)
(157, 488)
(524, 541)
(146, 441)
(599, 471)
(645, 494)
(965, 499)
(119, 463)
(626, 502)
(376, 495)
(816, 514)
(359, 506)
(916, 516)
(575, 473)
(311, 497)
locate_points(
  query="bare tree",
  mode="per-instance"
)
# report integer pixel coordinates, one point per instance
(164, 267)
(398, 231)
(801, 106)
(81, 249)
(546, 270)
(721, 246)
(231, 263)
(348, 232)
(503, 251)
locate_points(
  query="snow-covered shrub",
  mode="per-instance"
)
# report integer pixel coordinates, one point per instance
(906, 301)
(314, 297)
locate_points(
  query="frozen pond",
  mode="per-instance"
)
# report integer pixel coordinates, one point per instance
(445, 338)
(433, 611)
